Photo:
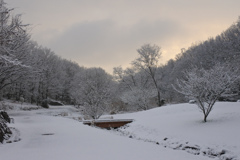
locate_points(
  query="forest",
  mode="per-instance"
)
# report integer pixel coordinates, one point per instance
(35, 74)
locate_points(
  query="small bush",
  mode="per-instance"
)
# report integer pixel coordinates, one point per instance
(113, 112)
(192, 101)
(64, 114)
(45, 104)
(4, 117)
(5, 132)
(55, 103)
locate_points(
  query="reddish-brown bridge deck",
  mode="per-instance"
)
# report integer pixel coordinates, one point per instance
(113, 123)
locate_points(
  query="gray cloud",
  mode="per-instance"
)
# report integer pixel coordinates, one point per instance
(107, 33)
(103, 42)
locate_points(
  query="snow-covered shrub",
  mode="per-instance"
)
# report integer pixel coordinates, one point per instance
(5, 107)
(4, 117)
(238, 100)
(21, 99)
(29, 108)
(192, 101)
(112, 112)
(5, 132)
(64, 114)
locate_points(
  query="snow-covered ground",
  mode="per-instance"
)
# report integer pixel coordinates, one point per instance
(173, 132)
(181, 127)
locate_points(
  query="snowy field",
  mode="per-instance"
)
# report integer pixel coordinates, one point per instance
(173, 132)
(181, 127)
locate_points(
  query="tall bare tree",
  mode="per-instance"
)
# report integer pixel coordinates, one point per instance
(148, 62)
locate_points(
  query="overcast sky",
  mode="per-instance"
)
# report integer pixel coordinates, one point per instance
(106, 33)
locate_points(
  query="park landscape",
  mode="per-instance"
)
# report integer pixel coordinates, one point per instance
(186, 108)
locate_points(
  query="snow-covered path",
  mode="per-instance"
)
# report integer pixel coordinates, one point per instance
(58, 138)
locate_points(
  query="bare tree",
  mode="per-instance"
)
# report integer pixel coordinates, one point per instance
(148, 62)
(206, 86)
(126, 78)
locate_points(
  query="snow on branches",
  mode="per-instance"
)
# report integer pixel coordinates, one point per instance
(13, 35)
(93, 90)
(13, 45)
(207, 86)
(139, 98)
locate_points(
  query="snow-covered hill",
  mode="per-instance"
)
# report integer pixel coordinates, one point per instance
(181, 126)
(173, 132)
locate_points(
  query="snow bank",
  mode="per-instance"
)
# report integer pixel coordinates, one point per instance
(182, 124)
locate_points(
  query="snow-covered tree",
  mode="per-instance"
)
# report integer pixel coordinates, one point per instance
(207, 86)
(134, 84)
(13, 46)
(126, 77)
(93, 90)
(138, 98)
(148, 62)
(70, 69)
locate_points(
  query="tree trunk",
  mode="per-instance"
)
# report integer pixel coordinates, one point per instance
(205, 118)
(158, 92)
(159, 99)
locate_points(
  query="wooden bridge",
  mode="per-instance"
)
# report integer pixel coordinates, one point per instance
(108, 124)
